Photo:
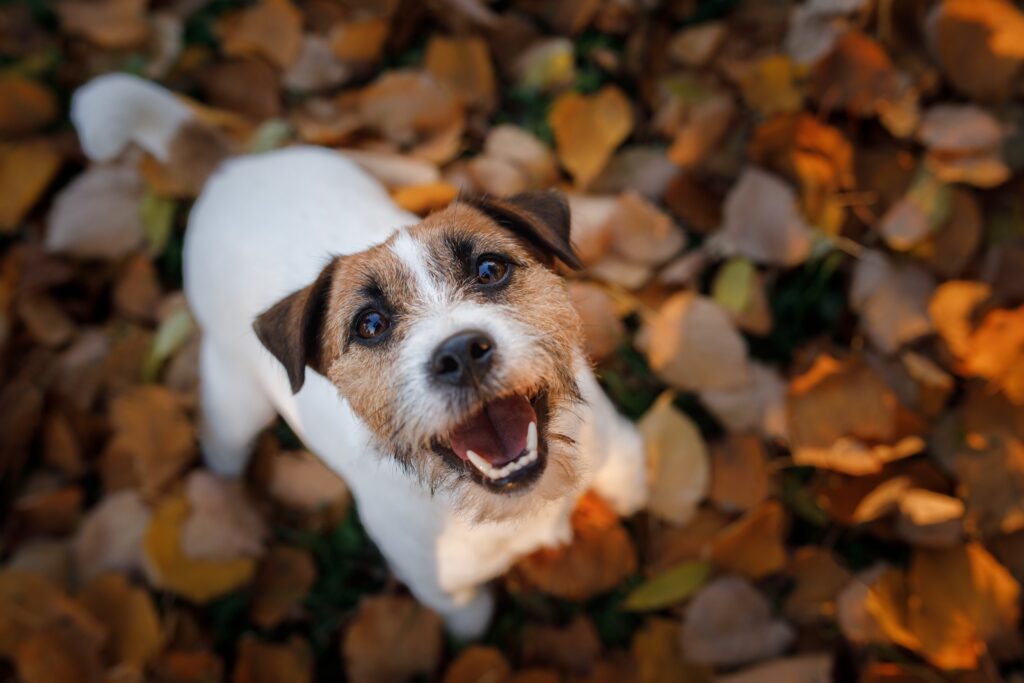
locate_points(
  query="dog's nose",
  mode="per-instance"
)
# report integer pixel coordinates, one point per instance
(463, 358)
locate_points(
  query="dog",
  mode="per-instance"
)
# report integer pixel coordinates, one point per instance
(435, 364)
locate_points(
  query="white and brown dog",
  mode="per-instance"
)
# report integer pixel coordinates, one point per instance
(435, 364)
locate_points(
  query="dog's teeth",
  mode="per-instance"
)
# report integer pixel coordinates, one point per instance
(481, 464)
(492, 472)
(531, 437)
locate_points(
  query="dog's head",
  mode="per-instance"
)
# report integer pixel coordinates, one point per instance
(457, 345)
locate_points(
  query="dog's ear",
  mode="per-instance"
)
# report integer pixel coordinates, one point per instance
(292, 329)
(541, 217)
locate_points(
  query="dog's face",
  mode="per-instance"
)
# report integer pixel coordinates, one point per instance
(457, 345)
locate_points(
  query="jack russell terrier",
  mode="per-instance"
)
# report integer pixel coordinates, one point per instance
(435, 364)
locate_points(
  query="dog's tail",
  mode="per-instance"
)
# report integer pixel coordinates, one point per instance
(111, 111)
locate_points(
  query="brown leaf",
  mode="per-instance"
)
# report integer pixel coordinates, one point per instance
(128, 612)
(270, 28)
(753, 545)
(247, 86)
(26, 169)
(892, 300)
(222, 523)
(692, 345)
(188, 667)
(819, 579)
(678, 470)
(588, 128)
(929, 519)
(729, 623)
(857, 76)
(658, 655)
(524, 151)
(643, 233)
(407, 107)
(44, 319)
(992, 485)
(591, 227)
(300, 481)
(463, 65)
(168, 567)
(97, 215)
(61, 447)
(316, 68)
(360, 41)
(740, 478)
(700, 128)
(25, 105)
(263, 662)
(801, 669)
(478, 664)
(761, 221)
(110, 536)
(151, 427)
(53, 512)
(391, 638)
(56, 654)
(112, 24)
(804, 150)
(137, 291)
(603, 331)
(573, 649)
(949, 604)
(599, 557)
(283, 580)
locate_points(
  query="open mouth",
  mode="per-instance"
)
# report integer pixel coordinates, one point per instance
(502, 444)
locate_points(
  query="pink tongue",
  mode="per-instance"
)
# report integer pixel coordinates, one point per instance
(497, 433)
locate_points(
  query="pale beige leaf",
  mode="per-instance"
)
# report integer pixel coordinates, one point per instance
(678, 470)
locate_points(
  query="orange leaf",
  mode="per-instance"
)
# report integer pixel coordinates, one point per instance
(464, 66)
(135, 635)
(753, 545)
(588, 128)
(25, 106)
(26, 168)
(263, 662)
(271, 28)
(109, 24)
(422, 199)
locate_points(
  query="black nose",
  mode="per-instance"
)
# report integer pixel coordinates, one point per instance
(463, 358)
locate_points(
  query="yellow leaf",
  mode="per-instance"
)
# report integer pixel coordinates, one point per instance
(26, 168)
(588, 128)
(135, 635)
(464, 66)
(169, 567)
(771, 85)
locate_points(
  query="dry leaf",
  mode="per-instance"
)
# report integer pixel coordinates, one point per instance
(658, 656)
(316, 68)
(950, 309)
(25, 105)
(395, 170)
(599, 557)
(128, 612)
(805, 150)
(188, 667)
(110, 536)
(300, 481)
(857, 76)
(770, 85)
(97, 215)
(603, 331)
(642, 233)
(263, 662)
(643, 169)
(819, 580)
(407, 106)
(992, 484)
(695, 45)
(44, 320)
(930, 520)
(762, 222)
(701, 128)
(523, 150)
(729, 623)
(26, 169)
(678, 471)
(56, 654)
(391, 638)
(283, 580)
(740, 478)
(247, 86)
(360, 41)
(591, 228)
(757, 406)
(588, 128)
(965, 145)
(692, 344)
(477, 664)
(995, 352)
(50, 511)
(50, 559)
(137, 291)
(151, 428)
(753, 545)
(422, 199)
(546, 65)
(222, 523)
(573, 649)
(949, 604)
(463, 65)
(802, 669)
(168, 567)
(109, 24)
(892, 300)
(270, 28)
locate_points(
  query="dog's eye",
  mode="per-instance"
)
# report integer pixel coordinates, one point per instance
(490, 270)
(372, 324)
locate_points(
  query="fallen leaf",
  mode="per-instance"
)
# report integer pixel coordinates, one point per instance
(97, 214)
(952, 245)
(316, 67)
(284, 578)
(930, 520)
(668, 588)
(25, 105)
(658, 655)
(753, 545)
(188, 667)
(26, 169)
(588, 128)
(151, 427)
(678, 471)
(573, 648)
(948, 605)
(599, 557)
(301, 482)
(892, 300)
(134, 632)
(915, 217)
(395, 170)
(729, 623)
(44, 320)
(642, 233)
(477, 664)
(757, 406)
(422, 199)
(819, 579)
(56, 654)
(603, 331)
(857, 76)
(695, 45)
(761, 222)
(950, 309)
(802, 669)
(28, 603)
(391, 638)
(526, 152)
(740, 478)
(770, 85)
(245, 86)
(110, 536)
(408, 106)
(361, 40)
(804, 150)
(991, 484)
(222, 522)
(463, 65)
(53, 511)
(698, 125)
(265, 662)
(270, 28)
(113, 24)
(691, 344)
(169, 568)
(50, 559)
(137, 291)
(644, 169)
(995, 352)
